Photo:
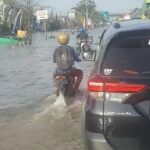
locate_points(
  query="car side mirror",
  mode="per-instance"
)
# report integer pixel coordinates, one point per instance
(89, 55)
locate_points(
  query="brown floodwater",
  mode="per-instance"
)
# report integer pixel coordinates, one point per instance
(31, 116)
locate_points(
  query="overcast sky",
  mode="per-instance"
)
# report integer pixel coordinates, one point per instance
(63, 6)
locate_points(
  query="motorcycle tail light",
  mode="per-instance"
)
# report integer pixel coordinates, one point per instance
(60, 77)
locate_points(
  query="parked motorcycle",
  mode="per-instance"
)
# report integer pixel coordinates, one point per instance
(65, 84)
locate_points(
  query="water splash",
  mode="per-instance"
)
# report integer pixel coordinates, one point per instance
(57, 109)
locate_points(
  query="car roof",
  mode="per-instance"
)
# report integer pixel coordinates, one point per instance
(127, 26)
(132, 25)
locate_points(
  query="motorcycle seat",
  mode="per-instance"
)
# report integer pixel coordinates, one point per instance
(63, 72)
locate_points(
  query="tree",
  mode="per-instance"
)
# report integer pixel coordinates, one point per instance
(27, 10)
(92, 12)
(8, 2)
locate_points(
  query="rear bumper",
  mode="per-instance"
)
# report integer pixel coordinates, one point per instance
(124, 128)
(94, 141)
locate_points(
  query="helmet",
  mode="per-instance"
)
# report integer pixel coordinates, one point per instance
(63, 38)
(82, 29)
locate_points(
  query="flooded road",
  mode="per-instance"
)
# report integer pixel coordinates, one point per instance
(31, 116)
(26, 72)
(51, 126)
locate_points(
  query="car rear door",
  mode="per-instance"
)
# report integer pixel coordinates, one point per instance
(125, 74)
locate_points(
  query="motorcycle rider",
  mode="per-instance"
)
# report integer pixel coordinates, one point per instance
(83, 38)
(65, 64)
(82, 34)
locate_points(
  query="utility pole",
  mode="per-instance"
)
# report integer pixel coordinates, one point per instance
(29, 13)
(29, 21)
(87, 15)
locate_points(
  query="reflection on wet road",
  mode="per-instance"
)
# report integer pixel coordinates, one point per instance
(25, 73)
(31, 117)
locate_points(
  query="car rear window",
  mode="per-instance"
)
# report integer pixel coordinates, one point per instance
(128, 56)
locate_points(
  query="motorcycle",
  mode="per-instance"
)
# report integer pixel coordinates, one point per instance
(84, 45)
(65, 84)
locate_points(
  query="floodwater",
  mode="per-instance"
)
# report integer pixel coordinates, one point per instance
(31, 116)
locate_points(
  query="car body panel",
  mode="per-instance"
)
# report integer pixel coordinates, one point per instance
(124, 125)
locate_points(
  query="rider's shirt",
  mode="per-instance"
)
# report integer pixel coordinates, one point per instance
(82, 35)
(73, 54)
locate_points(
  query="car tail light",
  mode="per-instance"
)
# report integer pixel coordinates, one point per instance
(60, 77)
(99, 87)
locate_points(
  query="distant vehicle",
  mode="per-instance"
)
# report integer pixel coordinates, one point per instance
(84, 45)
(116, 110)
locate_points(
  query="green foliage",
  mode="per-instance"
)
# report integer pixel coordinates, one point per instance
(4, 29)
(81, 7)
(9, 2)
(92, 12)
